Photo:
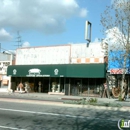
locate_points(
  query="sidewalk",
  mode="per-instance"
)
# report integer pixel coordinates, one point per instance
(59, 98)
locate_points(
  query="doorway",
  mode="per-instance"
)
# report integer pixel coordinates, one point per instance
(77, 88)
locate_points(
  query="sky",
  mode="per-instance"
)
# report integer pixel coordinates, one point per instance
(48, 22)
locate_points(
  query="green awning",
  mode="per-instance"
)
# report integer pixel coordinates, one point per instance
(87, 70)
(66, 70)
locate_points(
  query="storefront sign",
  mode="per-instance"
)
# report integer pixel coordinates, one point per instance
(116, 71)
(32, 75)
(14, 71)
(119, 71)
(34, 71)
(56, 71)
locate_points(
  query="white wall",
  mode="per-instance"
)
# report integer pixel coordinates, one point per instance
(82, 51)
(43, 55)
(62, 54)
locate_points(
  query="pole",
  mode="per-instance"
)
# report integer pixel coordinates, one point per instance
(88, 88)
(69, 87)
(49, 84)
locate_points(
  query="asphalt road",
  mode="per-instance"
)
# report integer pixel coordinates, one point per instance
(23, 116)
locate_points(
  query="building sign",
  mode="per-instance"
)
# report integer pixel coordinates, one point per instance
(56, 71)
(14, 72)
(116, 71)
(35, 72)
(3, 67)
(32, 75)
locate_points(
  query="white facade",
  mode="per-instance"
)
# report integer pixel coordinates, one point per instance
(43, 55)
(62, 54)
(80, 53)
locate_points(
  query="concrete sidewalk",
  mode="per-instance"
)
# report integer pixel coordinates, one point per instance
(59, 98)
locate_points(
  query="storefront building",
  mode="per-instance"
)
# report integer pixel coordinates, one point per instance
(68, 77)
(67, 69)
(5, 60)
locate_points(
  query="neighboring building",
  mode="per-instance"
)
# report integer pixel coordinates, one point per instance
(6, 59)
(64, 69)
(116, 62)
(115, 70)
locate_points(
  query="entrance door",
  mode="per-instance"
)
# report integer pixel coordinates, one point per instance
(46, 85)
(77, 89)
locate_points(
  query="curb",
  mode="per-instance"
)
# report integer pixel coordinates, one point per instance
(64, 105)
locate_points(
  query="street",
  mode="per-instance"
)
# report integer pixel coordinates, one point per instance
(23, 116)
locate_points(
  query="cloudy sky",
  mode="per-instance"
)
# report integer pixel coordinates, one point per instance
(48, 22)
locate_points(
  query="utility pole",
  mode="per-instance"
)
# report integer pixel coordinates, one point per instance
(18, 40)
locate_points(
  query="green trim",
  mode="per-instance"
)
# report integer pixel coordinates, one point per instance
(60, 70)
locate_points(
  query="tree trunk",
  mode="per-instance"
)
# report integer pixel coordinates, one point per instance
(123, 75)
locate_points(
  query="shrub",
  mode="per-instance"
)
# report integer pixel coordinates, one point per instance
(92, 100)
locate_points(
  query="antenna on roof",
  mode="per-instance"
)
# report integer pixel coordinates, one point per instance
(18, 40)
(88, 27)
